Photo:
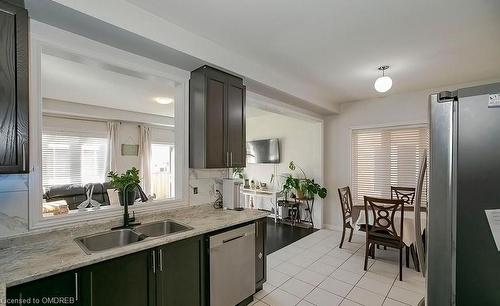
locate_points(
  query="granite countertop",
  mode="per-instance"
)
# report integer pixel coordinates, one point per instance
(33, 256)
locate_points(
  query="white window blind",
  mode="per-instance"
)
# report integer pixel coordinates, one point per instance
(162, 170)
(70, 159)
(387, 157)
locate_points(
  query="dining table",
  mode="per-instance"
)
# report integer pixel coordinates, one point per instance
(358, 218)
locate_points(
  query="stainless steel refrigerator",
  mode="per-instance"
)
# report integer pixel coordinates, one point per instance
(463, 261)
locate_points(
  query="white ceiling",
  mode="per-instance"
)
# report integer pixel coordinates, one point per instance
(336, 45)
(75, 79)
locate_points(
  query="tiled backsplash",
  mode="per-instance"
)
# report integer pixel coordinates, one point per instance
(207, 181)
(13, 204)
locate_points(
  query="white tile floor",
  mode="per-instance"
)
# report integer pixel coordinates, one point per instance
(314, 271)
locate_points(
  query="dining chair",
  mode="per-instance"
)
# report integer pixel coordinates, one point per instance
(407, 194)
(420, 243)
(420, 239)
(346, 205)
(382, 229)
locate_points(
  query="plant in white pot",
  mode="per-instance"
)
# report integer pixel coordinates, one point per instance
(120, 181)
(305, 188)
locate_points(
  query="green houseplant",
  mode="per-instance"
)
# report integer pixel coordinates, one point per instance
(239, 173)
(120, 181)
(304, 187)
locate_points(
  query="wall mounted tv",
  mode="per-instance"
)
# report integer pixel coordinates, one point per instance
(264, 151)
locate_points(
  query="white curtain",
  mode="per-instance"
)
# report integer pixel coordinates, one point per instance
(113, 146)
(145, 158)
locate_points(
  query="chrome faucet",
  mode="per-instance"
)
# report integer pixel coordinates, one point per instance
(127, 220)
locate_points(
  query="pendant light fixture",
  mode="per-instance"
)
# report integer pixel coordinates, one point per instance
(383, 83)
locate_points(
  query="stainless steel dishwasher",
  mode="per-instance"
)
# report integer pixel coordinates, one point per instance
(232, 266)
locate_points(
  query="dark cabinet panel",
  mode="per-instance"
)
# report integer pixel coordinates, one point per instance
(124, 281)
(13, 89)
(217, 137)
(215, 127)
(179, 278)
(236, 97)
(260, 253)
(60, 289)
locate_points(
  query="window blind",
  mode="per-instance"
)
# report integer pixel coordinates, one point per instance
(387, 157)
(71, 159)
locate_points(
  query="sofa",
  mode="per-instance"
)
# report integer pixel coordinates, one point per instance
(75, 194)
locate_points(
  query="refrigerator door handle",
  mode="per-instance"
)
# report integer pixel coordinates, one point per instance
(442, 202)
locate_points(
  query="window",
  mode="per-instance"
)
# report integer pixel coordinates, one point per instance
(387, 157)
(69, 159)
(162, 171)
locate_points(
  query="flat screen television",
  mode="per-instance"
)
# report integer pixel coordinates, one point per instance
(264, 151)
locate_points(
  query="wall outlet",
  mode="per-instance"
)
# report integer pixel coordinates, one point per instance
(494, 100)
(195, 190)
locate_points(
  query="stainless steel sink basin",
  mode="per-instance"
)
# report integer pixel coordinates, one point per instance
(108, 240)
(117, 238)
(161, 228)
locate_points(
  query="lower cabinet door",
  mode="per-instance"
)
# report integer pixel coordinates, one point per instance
(180, 276)
(124, 281)
(59, 289)
(260, 252)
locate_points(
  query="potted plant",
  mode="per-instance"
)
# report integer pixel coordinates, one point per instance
(239, 173)
(119, 182)
(304, 187)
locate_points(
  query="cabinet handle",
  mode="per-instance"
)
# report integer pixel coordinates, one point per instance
(76, 286)
(91, 288)
(227, 159)
(24, 157)
(153, 253)
(161, 260)
(231, 154)
(257, 229)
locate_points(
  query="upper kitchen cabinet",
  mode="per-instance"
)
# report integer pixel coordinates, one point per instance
(13, 88)
(217, 126)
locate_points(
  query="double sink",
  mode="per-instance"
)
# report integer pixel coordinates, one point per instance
(117, 238)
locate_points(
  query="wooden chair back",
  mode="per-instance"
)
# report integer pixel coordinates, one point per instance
(382, 225)
(407, 194)
(345, 202)
(418, 209)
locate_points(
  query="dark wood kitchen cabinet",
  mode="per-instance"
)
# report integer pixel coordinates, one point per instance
(180, 277)
(59, 289)
(170, 275)
(123, 281)
(260, 253)
(14, 116)
(217, 125)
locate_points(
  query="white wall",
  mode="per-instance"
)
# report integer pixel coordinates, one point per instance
(300, 141)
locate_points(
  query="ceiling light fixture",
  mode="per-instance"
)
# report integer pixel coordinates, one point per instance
(383, 83)
(164, 100)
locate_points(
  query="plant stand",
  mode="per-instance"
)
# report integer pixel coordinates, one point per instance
(309, 206)
(294, 218)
